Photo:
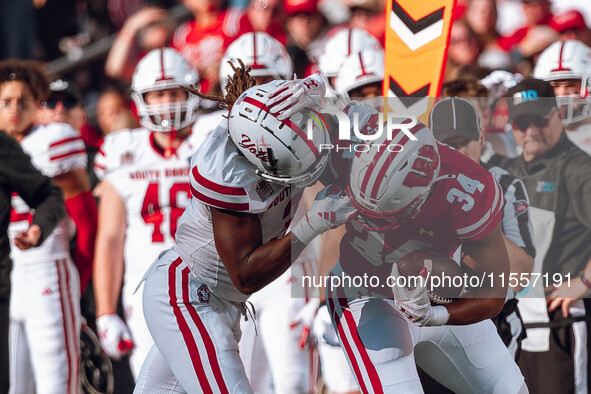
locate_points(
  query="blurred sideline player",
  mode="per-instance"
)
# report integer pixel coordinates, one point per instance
(466, 135)
(144, 190)
(567, 67)
(360, 76)
(231, 240)
(273, 358)
(430, 196)
(44, 338)
(344, 43)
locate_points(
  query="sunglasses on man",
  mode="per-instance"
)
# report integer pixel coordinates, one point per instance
(522, 123)
(68, 103)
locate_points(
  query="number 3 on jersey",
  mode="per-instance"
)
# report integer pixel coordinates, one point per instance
(470, 186)
(153, 214)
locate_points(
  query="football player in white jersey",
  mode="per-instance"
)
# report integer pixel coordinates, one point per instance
(46, 288)
(144, 191)
(274, 354)
(231, 240)
(344, 43)
(567, 66)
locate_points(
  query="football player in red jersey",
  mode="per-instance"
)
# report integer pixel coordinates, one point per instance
(413, 193)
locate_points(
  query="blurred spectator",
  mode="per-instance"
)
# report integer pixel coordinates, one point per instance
(536, 12)
(464, 49)
(266, 16)
(533, 44)
(113, 113)
(510, 16)
(305, 27)
(571, 26)
(482, 16)
(145, 30)
(368, 15)
(203, 40)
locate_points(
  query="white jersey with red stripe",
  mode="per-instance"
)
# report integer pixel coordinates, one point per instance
(155, 191)
(136, 146)
(55, 149)
(155, 195)
(222, 179)
(466, 203)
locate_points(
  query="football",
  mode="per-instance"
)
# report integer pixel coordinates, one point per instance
(442, 275)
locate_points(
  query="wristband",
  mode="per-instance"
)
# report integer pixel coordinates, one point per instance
(584, 280)
(439, 318)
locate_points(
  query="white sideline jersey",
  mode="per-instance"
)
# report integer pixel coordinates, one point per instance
(55, 149)
(223, 179)
(156, 191)
(128, 147)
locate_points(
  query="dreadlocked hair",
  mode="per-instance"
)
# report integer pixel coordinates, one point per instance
(237, 84)
(29, 72)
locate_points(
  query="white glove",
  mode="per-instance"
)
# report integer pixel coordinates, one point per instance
(416, 305)
(499, 82)
(330, 209)
(305, 319)
(293, 96)
(114, 335)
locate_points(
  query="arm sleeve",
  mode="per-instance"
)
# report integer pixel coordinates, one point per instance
(37, 190)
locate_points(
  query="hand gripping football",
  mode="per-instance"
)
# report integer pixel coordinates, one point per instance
(442, 276)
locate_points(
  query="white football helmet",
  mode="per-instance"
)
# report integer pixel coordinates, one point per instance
(343, 44)
(359, 69)
(391, 186)
(568, 60)
(281, 151)
(162, 69)
(264, 54)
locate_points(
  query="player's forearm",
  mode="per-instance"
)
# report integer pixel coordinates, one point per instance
(472, 310)
(266, 263)
(107, 274)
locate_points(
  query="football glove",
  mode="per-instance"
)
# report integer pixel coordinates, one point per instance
(415, 304)
(293, 96)
(114, 335)
(330, 209)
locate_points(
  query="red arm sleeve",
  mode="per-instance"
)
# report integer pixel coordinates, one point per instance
(82, 210)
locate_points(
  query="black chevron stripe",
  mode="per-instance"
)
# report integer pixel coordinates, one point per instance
(408, 98)
(416, 26)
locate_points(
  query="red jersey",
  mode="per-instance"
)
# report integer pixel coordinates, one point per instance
(465, 204)
(204, 46)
